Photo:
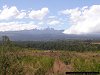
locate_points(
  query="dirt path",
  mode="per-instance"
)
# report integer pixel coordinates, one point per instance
(59, 68)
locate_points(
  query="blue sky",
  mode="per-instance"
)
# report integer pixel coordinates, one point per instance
(50, 13)
(53, 5)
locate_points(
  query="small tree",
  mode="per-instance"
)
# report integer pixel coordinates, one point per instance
(6, 43)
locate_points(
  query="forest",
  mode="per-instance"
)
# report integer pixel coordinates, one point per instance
(67, 45)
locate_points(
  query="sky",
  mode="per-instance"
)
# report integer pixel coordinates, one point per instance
(72, 16)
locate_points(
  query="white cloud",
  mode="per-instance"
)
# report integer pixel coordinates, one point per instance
(51, 17)
(38, 14)
(41, 23)
(21, 15)
(13, 13)
(84, 20)
(54, 22)
(7, 13)
(16, 26)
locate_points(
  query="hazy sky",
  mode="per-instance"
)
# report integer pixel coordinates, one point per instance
(74, 16)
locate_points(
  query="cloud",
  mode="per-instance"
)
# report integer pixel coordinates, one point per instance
(38, 14)
(54, 22)
(17, 26)
(8, 13)
(21, 15)
(84, 20)
(13, 13)
(51, 17)
(41, 23)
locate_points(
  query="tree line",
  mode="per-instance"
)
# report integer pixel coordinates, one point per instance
(70, 45)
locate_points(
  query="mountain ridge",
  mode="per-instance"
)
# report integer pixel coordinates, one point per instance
(45, 34)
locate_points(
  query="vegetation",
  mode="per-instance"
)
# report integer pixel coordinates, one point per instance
(69, 45)
(39, 57)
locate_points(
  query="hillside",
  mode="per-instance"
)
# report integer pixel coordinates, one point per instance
(45, 34)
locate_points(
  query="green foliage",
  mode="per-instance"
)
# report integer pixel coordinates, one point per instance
(86, 65)
(46, 64)
(69, 45)
(40, 71)
(10, 65)
(38, 64)
(9, 62)
(66, 58)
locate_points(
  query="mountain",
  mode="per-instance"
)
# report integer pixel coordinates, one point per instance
(45, 34)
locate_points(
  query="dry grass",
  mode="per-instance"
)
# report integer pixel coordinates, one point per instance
(36, 62)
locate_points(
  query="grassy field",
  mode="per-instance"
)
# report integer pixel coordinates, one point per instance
(37, 62)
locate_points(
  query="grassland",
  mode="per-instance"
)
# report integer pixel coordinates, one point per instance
(39, 62)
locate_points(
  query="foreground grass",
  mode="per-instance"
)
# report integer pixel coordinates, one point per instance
(82, 62)
(37, 65)
(36, 62)
(15, 64)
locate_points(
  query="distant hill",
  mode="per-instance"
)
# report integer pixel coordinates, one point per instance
(45, 34)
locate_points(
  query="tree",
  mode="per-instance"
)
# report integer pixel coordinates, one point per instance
(6, 43)
(5, 40)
